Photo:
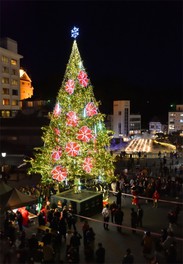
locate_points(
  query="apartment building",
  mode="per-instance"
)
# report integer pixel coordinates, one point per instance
(123, 122)
(9, 78)
(175, 120)
(135, 124)
(121, 118)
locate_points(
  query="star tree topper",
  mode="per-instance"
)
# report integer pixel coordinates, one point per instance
(74, 32)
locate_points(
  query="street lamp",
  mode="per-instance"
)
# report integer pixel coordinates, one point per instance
(3, 154)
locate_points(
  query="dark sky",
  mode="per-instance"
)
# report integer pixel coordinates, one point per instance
(132, 50)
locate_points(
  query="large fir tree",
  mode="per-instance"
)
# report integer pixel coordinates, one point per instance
(76, 142)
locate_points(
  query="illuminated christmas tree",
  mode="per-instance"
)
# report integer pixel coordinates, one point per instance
(76, 142)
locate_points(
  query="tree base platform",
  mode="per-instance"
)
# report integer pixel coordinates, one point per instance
(86, 203)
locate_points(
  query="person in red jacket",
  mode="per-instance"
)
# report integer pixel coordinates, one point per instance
(155, 198)
(25, 216)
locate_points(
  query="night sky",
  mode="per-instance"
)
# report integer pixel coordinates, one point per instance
(131, 50)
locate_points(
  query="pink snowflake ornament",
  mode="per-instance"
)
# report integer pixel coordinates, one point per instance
(87, 164)
(91, 109)
(72, 149)
(83, 78)
(72, 119)
(56, 154)
(85, 134)
(59, 173)
(69, 86)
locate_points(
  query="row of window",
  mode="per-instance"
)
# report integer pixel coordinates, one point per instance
(6, 60)
(8, 70)
(7, 91)
(6, 80)
(174, 115)
(8, 113)
(35, 103)
(26, 83)
(13, 102)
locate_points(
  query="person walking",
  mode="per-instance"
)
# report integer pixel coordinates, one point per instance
(140, 214)
(75, 242)
(171, 219)
(119, 218)
(171, 254)
(85, 228)
(133, 219)
(128, 258)
(106, 216)
(148, 247)
(90, 244)
(155, 197)
(47, 237)
(100, 253)
(48, 254)
(19, 220)
(113, 207)
(118, 198)
(71, 220)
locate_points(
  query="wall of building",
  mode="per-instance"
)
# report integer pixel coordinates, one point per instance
(26, 89)
(121, 118)
(175, 120)
(9, 78)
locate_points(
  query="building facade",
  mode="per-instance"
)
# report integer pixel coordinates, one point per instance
(123, 122)
(121, 118)
(135, 124)
(9, 78)
(26, 89)
(175, 120)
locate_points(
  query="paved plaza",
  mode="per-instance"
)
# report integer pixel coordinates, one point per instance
(116, 243)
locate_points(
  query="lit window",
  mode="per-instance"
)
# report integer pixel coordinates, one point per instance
(6, 101)
(13, 62)
(39, 103)
(13, 114)
(6, 91)
(5, 59)
(5, 113)
(30, 104)
(14, 102)
(5, 80)
(14, 82)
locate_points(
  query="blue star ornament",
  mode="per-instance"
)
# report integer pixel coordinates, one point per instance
(74, 32)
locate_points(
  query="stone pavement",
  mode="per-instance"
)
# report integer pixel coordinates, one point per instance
(116, 243)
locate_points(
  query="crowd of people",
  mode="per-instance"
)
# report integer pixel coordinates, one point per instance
(45, 247)
(61, 229)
